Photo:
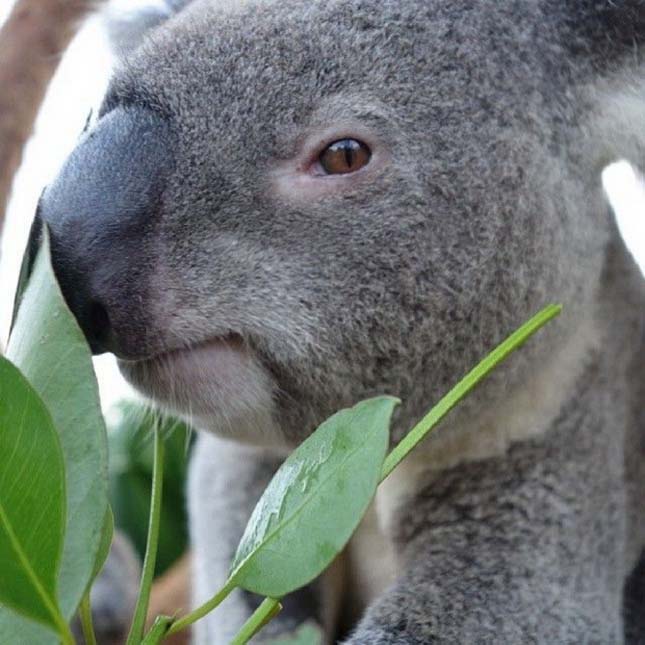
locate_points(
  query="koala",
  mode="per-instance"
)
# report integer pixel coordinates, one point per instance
(286, 207)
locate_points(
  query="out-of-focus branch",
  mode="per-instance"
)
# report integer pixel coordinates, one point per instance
(32, 42)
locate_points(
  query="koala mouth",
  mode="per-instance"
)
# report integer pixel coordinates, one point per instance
(169, 368)
(213, 381)
(230, 340)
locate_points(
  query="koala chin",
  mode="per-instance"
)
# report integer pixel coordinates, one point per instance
(218, 386)
(286, 207)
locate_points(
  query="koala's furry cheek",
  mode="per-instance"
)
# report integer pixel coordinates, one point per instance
(219, 386)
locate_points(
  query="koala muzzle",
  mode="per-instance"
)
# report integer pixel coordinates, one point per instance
(102, 211)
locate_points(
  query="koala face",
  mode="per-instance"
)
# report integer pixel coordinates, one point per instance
(287, 207)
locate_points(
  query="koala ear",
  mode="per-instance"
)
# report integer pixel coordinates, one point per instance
(127, 22)
(612, 26)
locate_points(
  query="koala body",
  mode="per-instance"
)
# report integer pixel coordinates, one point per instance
(198, 236)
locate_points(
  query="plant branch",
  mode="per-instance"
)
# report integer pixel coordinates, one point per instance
(138, 622)
(32, 42)
(67, 638)
(204, 609)
(85, 613)
(480, 371)
(158, 631)
(269, 608)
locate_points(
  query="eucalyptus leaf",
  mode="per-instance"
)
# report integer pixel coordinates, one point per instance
(85, 609)
(50, 349)
(106, 542)
(27, 265)
(315, 501)
(32, 501)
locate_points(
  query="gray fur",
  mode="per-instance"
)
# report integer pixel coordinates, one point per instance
(532, 546)
(126, 29)
(492, 121)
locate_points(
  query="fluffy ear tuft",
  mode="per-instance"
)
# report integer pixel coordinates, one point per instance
(127, 21)
(613, 27)
(626, 19)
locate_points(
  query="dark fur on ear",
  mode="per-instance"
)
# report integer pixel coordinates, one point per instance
(127, 27)
(608, 30)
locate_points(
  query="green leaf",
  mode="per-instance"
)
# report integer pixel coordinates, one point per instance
(50, 349)
(307, 634)
(32, 501)
(104, 545)
(85, 608)
(26, 266)
(315, 501)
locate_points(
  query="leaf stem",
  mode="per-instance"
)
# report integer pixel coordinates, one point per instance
(269, 608)
(459, 391)
(139, 620)
(158, 631)
(85, 613)
(65, 633)
(202, 610)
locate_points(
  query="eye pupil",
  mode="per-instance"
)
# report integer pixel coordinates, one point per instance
(349, 156)
(344, 156)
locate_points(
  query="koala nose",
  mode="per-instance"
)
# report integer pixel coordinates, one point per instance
(101, 211)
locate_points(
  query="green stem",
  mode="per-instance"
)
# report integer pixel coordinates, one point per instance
(158, 631)
(67, 638)
(139, 620)
(450, 400)
(260, 617)
(204, 609)
(85, 613)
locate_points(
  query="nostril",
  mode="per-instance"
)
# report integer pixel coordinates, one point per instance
(99, 325)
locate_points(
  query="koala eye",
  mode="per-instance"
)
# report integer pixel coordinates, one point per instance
(344, 156)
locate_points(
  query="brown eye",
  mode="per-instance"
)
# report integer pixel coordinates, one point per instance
(344, 156)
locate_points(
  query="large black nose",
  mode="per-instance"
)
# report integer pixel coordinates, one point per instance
(102, 210)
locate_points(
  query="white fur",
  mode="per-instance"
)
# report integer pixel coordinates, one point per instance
(215, 516)
(371, 564)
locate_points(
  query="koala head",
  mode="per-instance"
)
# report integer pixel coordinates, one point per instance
(286, 207)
